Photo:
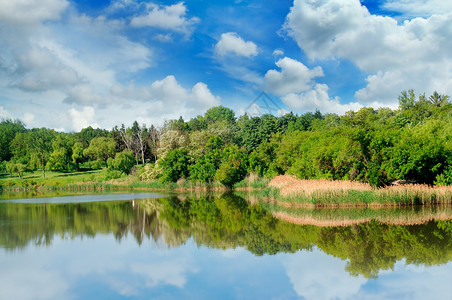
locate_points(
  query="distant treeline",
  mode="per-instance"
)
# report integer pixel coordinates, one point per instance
(411, 143)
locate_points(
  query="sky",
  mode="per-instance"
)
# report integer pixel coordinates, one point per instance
(68, 64)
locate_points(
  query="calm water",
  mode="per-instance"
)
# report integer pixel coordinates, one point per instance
(136, 246)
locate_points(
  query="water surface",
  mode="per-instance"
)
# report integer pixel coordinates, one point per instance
(212, 247)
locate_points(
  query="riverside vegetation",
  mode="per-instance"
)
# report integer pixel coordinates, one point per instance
(370, 147)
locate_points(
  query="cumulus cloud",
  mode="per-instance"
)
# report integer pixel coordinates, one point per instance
(297, 88)
(167, 98)
(171, 17)
(294, 77)
(81, 58)
(168, 90)
(83, 119)
(421, 8)
(318, 98)
(202, 96)
(232, 43)
(397, 56)
(30, 12)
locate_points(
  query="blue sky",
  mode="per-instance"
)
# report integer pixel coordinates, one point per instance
(71, 64)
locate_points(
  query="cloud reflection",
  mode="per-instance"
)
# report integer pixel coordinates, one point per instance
(316, 275)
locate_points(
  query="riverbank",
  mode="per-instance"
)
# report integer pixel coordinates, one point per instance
(284, 190)
(94, 180)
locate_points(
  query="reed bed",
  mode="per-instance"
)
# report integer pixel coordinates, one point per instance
(293, 192)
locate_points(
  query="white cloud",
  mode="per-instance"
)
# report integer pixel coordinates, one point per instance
(201, 96)
(165, 99)
(415, 53)
(232, 43)
(29, 12)
(56, 66)
(4, 114)
(278, 52)
(421, 8)
(294, 77)
(297, 88)
(83, 119)
(318, 98)
(164, 37)
(28, 118)
(171, 93)
(168, 90)
(172, 17)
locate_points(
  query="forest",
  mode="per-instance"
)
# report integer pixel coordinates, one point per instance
(375, 146)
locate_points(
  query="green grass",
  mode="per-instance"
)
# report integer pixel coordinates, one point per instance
(53, 180)
(92, 180)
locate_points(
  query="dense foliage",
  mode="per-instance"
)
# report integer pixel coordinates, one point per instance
(413, 143)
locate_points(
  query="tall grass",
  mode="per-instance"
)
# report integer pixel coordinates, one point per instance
(252, 181)
(293, 192)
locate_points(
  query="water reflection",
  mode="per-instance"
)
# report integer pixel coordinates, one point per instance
(175, 248)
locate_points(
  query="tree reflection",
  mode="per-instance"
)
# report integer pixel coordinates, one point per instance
(223, 222)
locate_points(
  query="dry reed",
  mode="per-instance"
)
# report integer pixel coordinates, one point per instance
(322, 192)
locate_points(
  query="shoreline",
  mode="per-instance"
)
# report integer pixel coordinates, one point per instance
(284, 190)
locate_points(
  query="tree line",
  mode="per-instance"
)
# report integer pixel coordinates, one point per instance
(378, 146)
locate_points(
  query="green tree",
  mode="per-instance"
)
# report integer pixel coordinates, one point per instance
(20, 148)
(407, 99)
(87, 134)
(205, 167)
(233, 167)
(61, 157)
(175, 165)
(263, 159)
(18, 168)
(220, 113)
(438, 100)
(40, 146)
(100, 149)
(77, 155)
(258, 130)
(123, 162)
(421, 153)
(8, 130)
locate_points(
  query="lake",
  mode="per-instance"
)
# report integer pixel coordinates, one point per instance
(145, 246)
